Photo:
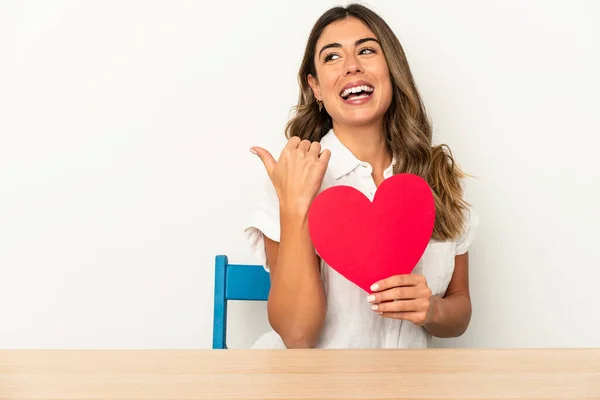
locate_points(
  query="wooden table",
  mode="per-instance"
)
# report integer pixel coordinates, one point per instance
(300, 374)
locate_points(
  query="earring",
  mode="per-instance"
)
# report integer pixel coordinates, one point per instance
(320, 103)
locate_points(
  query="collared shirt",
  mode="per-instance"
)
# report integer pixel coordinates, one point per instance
(349, 320)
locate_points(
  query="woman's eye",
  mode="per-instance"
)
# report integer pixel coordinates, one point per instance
(334, 56)
(367, 51)
(330, 57)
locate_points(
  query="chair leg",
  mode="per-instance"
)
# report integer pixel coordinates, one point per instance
(220, 304)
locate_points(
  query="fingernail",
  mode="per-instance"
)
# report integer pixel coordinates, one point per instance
(375, 287)
(374, 307)
(371, 298)
(253, 152)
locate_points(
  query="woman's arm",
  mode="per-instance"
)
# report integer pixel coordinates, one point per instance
(451, 314)
(297, 304)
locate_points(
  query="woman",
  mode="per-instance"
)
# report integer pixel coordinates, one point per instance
(359, 120)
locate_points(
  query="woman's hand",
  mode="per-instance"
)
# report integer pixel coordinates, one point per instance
(405, 297)
(298, 174)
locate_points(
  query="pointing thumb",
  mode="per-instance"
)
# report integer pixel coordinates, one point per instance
(266, 158)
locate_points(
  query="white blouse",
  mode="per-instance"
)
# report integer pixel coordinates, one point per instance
(349, 320)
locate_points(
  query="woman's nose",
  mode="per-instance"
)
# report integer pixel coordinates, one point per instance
(352, 65)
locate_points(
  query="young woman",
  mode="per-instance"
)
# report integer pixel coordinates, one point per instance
(359, 120)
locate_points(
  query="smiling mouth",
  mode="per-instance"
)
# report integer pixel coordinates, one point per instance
(357, 92)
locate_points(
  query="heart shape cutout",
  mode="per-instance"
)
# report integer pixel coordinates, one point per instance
(368, 241)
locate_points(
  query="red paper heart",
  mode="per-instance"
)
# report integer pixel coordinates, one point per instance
(368, 241)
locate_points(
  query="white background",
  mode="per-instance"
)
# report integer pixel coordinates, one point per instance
(124, 163)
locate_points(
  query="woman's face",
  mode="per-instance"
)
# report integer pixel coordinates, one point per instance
(353, 79)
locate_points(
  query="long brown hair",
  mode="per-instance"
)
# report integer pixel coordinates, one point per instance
(406, 124)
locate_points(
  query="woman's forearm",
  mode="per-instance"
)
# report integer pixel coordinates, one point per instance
(297, 304)
(451, 315)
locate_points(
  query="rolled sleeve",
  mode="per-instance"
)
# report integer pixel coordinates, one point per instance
(264, 222)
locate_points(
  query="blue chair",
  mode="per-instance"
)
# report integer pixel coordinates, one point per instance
(235, 282)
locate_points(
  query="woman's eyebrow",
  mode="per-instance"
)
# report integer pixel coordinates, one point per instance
(357, 43)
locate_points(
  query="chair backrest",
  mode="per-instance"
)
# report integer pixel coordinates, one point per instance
(235, 282)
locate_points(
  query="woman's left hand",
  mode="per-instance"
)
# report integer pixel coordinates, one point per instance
(405, 297)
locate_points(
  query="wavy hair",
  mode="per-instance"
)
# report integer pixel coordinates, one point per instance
(407, 128)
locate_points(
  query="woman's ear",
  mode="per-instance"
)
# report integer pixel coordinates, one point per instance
(314, 85)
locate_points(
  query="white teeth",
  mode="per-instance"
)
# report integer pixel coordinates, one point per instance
(357, 89)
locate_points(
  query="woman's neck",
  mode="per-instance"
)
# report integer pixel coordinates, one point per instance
(367, 143)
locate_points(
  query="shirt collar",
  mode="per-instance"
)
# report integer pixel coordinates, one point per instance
(342, 161)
